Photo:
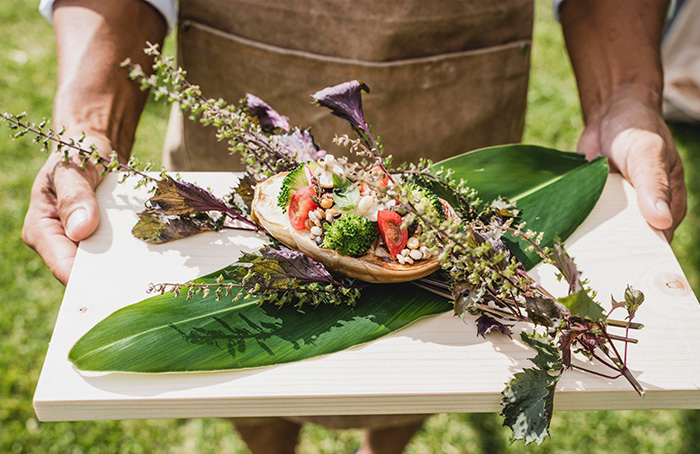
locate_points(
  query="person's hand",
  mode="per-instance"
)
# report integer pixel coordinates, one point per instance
(633, 135)
(93, 95)
(62, 211)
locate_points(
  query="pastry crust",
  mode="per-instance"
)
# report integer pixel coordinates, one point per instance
(368, 267)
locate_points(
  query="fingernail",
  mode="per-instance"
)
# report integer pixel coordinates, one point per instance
(75, 220)
(663, 208)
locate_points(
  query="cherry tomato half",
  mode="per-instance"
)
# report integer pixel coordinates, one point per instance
(382, 182)
(395, 237)
(300, 206)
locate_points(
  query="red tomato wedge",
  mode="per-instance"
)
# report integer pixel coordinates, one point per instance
(383, 182)
(300, 206)
(395, 237)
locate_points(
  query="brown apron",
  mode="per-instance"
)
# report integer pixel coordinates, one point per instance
(446, 76)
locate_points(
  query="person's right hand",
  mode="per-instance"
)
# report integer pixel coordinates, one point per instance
(93, 95)
(62, 211)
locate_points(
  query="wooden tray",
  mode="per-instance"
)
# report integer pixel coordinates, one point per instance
(435, 365)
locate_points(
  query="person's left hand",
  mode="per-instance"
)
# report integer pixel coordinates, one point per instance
(638, 143)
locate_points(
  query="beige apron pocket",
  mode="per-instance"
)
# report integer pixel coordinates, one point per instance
(432, 107)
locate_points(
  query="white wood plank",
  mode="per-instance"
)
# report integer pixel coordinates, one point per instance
(436, 365)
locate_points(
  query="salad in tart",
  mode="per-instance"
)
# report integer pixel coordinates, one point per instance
(353, 227)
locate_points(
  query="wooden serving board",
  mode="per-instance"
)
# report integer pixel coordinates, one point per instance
(435, 365)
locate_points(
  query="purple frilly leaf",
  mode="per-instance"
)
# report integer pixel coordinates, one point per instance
(465, 295)
(245, 190)
(486, 324)
(344, 101)
(543, 311)
(174, 197)
(282, 268)
(297, 265)
(157, 228)
(565, 341)
(566, 266)
(268, 117)
(300, 145)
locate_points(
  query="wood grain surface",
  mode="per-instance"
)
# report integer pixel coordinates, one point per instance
(435, 365)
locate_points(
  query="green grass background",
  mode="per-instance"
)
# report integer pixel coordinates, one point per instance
(31, 297)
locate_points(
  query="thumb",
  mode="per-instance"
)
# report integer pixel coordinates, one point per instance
(651, 181)
(589, 142)
(76, 202)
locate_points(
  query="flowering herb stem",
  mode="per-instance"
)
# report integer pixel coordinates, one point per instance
(238, 217)
(174, 287)
(86, 154)
(248, 137)
(623, 324)
(604, 361)
(599, 374)
(464, 202)
(240, 229)
(508, 316)
(625, 338)
(623, 369)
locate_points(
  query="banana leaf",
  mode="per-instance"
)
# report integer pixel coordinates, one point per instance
(554, 190)
(168, 333)
(171, 334)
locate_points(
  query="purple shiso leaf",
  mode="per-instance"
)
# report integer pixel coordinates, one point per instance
(565, 342)
(245, 189)
(543, 311)
(567, 267)
(156, 228)
(485, 325)
(174, 197)
(297, 265)
(344, 101)
(268, 117)
(300, 145)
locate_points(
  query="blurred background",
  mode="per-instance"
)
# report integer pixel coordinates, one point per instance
(30, 296)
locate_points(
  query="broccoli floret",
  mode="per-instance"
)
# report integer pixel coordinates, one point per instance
(422, 195)
(292, 182)
(350, 235)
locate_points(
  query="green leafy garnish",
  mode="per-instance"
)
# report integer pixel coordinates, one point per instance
(582, 305)
(528, 402)
(347, 198)
(528, 398)
(425, 199)
(292, 182)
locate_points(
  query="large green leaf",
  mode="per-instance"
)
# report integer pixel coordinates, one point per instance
(166, 333)
(555, 191)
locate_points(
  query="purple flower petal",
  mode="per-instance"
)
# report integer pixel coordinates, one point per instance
(300, 145)
(268, 117)
(345, 101)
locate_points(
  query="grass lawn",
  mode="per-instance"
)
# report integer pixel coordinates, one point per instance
(31, 297)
